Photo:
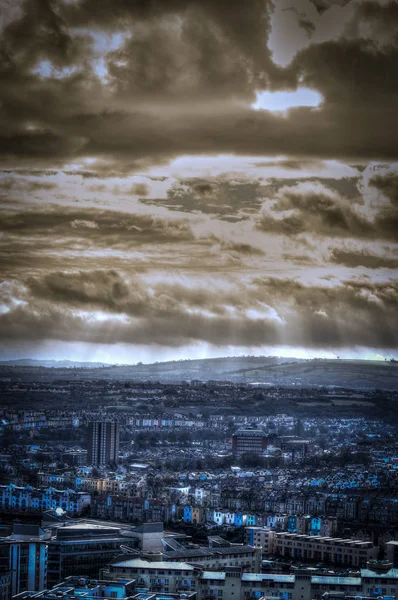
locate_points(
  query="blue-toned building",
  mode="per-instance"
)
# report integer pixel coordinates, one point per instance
(188, 514)
(24, 555)
(316, 524)
(292, 524)
(250, 520)
(238, 519)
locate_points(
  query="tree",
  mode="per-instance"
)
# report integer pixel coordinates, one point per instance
(250, 460)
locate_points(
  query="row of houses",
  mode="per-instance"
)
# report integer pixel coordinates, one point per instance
(251, 495)
(165, 423)
(133, 509)
(27, 498)
(34, 419)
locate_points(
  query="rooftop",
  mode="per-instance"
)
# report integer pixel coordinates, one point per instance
(391, 574)
(138, 563)
(325, 580)
(268, 577)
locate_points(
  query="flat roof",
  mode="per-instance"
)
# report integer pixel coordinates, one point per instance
(251, 432)
(391, 574)
(220, 575)
(138, 563)
(89, 526)
(268, 577)
(320, 579)
(214, 551)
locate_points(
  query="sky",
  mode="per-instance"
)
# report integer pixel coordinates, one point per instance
(190, 179)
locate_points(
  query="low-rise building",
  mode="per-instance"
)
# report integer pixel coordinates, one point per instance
(346, 552)
(162, 576)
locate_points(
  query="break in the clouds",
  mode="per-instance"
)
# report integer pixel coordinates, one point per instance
(189, 177)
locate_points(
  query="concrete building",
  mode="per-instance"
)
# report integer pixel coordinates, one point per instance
(23, 555)
(231, 583)
(149, 536)
(83, 548)
(297, 447)
(220, 557)
(249, 441)
(103, 443)
(84, 587)
(5, 583)
(345, 552)
(380, 583)
(392, 552)
(162, 576)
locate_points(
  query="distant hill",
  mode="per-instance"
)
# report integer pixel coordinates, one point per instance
(52, 364)
(270, 370)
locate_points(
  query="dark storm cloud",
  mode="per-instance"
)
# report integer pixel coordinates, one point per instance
(323, 5)
(92, 227)
(102, 289)
(351, 313)
(234, 199)
(184, 46)
(380, 19)
(140, 189)
(300, 259)
(241, 248)
(15, 183)
(40, 238)
(362, 258)
(40, 145)
(92, 90)
(39, 32)
(291, 163)
(185, 51)
(346, 71)
(320, 211)
(109, 290)
(387, 184)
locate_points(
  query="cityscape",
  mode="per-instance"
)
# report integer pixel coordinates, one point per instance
(198, 300)
(200, 489)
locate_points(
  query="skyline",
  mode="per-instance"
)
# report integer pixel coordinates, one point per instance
(191, 180)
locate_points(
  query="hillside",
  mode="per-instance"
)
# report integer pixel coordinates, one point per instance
(358, 374)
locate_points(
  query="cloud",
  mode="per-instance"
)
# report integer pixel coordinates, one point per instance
(346, 70)
(321, 211)
(387, 184)
(231, 199)
(375, 20)
(363, 258)
(94, 289)
(126, 213)
(322, 5)
(43, 33)
(205, 61)
(241, 248)
(102, 228)
(269, 311)
(140, 189)
(184, 47)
